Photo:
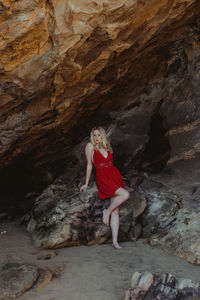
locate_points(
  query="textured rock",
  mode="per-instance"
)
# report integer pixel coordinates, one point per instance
(62, 217)
(165, 286)
(15, 279)
(64, 61)
(169, 224)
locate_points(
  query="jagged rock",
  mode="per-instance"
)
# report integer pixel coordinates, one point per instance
(62, 217)
(165, 286)
(170, 225)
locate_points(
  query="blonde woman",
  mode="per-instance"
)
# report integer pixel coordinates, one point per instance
(109, 181)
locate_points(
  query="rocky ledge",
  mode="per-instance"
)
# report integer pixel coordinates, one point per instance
(63, 217)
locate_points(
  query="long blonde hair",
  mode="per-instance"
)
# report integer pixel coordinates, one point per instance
(105, 143)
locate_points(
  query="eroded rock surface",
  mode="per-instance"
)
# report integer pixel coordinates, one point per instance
(165, 286)
(63, 217)
(167, 222)
(15, 279)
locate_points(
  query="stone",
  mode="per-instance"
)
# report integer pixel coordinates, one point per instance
(145, 281)
(47, 255)
(45, 277)
(164, 286)
(15, 279)
(135, 278)
(170, 225)
(63, 217)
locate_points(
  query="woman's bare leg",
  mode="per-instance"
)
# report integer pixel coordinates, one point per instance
(120, 196)
(114, 224)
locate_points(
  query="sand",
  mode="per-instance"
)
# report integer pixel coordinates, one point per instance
(89, 273)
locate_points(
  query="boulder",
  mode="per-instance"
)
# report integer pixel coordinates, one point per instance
(164, 286)
(168, 223)
(63, 217)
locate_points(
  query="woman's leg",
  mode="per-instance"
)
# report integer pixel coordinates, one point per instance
(120, 196)
(114, 224)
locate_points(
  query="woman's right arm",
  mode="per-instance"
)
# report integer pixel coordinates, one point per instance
(88, 154)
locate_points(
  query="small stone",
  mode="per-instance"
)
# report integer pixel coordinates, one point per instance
(45, 277)
(145, 281)
(47, 255)
(186, 283)
(135, 278)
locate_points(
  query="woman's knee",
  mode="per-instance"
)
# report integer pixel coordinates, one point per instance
(126, 195)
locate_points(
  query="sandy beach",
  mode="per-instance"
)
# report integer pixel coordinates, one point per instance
(89, 273)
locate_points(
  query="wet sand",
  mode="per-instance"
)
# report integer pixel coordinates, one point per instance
(89, 273)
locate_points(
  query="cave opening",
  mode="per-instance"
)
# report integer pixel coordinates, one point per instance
(17, 181)
(20, 184)
(154, 156)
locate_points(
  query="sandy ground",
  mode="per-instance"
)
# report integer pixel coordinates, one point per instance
(90, 273)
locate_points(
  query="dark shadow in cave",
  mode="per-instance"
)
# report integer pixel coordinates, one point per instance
(154, 156)
(17, 180)
(20, 184)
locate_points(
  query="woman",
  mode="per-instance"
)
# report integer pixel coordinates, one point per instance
(109, 181)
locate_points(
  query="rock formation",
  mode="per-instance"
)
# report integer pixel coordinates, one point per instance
(131, 66)
(165, 286)
(17, 278)
(62, 217)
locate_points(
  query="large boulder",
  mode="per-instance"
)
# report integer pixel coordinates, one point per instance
(168, 223)
(63, 217)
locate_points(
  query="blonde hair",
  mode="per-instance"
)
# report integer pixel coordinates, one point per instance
(105, 143)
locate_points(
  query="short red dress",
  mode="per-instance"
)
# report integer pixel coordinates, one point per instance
(108, 176)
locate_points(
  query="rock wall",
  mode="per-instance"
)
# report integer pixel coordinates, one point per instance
(131, 66)
(63, 60)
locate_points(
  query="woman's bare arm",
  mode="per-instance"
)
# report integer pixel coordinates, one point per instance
(88, 154)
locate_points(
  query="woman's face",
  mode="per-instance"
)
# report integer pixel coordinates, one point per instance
(97, 137)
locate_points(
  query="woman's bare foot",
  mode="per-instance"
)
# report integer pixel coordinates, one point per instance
(106, 216)
(116, 246)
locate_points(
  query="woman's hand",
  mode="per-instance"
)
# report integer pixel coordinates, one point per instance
(83, 188)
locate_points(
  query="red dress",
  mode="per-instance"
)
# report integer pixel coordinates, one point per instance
(108, 176)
